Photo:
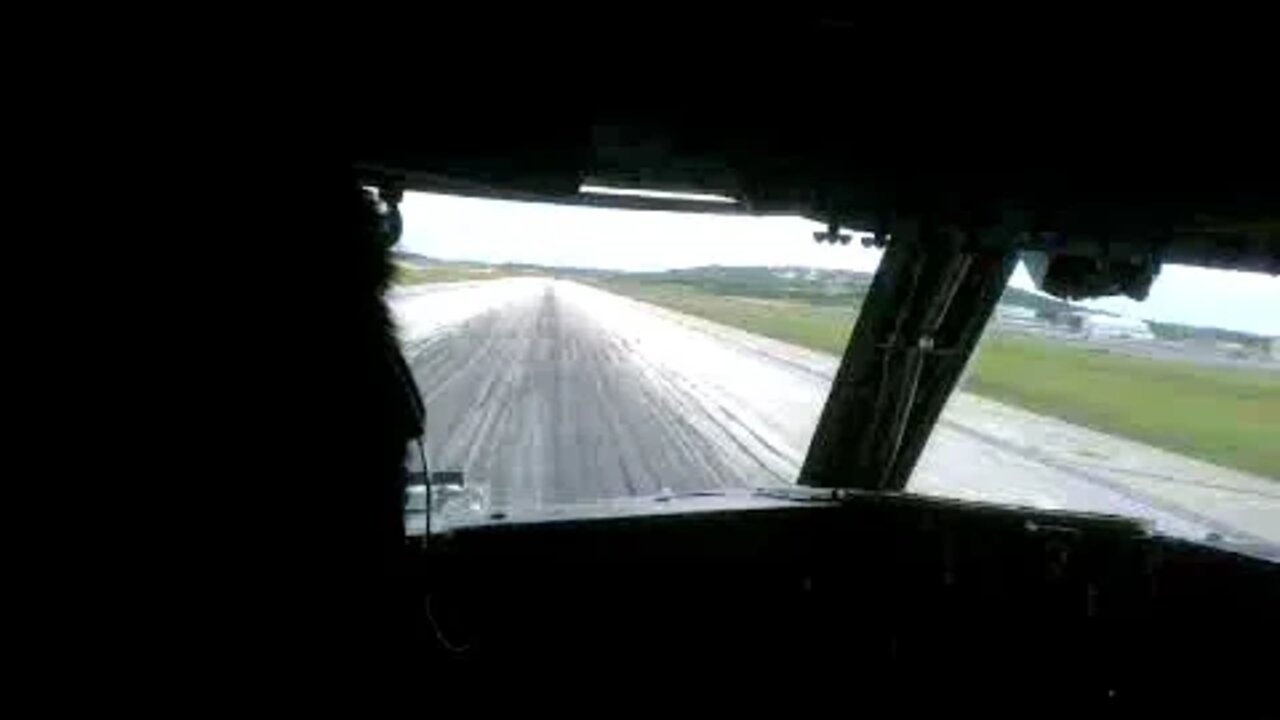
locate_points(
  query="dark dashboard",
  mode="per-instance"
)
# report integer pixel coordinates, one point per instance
(897, 591)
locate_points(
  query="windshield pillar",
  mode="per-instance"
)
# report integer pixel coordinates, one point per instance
(930, 299)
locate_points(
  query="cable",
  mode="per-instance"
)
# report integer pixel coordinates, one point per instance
(435, 627)
(426, 474)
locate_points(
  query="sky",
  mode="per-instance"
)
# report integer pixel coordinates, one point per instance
(457, 228)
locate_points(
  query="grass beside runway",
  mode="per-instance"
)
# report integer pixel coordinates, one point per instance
(819, 327)
(1223, 415)
(1227, 416)
(409, 275)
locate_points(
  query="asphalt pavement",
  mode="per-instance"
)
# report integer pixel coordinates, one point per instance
(548, 393)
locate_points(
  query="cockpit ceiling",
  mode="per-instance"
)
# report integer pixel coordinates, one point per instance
(1208, 199)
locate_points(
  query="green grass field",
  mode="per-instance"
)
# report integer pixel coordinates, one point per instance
(824, 328)
(408, 275)
(1226, 416)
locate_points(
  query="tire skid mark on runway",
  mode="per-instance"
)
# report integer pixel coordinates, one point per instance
(719, 430)
(726, 424)
(542, 403)
(1188, 515)
(563, 393)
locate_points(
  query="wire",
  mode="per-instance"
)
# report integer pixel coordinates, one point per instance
(426, 474)
(435, 627)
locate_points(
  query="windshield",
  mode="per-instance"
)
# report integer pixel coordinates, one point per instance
(1164, 410)
(573, 355)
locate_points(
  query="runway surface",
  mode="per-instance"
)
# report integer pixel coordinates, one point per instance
(549, 392)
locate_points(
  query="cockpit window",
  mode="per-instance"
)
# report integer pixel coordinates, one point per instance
(570, 356)
(1163, 410)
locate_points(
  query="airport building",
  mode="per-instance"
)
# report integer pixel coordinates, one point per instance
(1109, 326)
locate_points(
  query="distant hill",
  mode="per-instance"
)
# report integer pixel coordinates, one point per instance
(817, 285)
(415, 259)
(814, 285)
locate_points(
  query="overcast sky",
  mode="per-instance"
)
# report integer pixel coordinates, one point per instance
(455, 228)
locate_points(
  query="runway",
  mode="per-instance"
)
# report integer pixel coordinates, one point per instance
(549, 392)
